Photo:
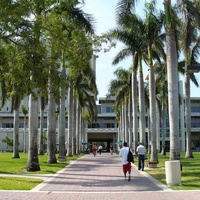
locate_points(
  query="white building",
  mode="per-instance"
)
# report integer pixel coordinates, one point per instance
(105, 129)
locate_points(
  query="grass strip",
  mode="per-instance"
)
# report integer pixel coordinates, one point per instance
(17, 166)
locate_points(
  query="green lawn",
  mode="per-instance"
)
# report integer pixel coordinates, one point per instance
(9, 165)
(190, 177)
(190, 174)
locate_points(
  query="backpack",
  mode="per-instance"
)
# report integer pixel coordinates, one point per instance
(130, 156)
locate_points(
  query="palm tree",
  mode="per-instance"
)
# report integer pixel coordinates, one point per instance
(149, 30)
(153, 26)
(33, 161)
(125, 34)
(15, 104)
(141, 93)
(127, 8)
(121, 89)
(3, 62)
(62, 139)
(74, 28)
(161, 94)
(85, 94)
(189, 43)
(172, 73)
(25, 112)
(51, 120)
(70, 119)
(36, 58)
(15, 87)
(43, 102)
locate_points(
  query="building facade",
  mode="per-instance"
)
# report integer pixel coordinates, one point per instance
(105, 130)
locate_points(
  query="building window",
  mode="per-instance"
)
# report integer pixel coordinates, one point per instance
(195, 125)
(107, 109)
(44, 125)
(195, 109)
(110, 125)
(7, 125)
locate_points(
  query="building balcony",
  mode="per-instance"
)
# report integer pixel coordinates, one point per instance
(102, 130)
(196, 129)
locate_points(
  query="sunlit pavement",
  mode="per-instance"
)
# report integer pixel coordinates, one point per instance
(99, 177)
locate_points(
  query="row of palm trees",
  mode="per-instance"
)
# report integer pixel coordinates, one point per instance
(45, 51)
(46, 48)
(144, 40)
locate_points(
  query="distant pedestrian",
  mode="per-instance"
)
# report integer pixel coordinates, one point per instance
(141, 156)
(111, 150)
(100, 149)
(94, 150)
(123, 152)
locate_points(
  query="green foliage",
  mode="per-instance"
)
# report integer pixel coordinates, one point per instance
(45, 136)
(8, 141)
(103, 43)
(24, 110)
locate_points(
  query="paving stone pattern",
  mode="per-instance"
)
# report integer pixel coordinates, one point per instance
(99, 177)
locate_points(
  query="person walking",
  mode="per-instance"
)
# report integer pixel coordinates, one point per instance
(141, 156)
(111, 150)
(94, 150)
(100, 149)
(126, 166)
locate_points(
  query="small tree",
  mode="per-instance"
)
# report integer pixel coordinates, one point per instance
(8, 141)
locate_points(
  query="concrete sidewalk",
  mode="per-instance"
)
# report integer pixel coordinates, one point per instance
(99, 177)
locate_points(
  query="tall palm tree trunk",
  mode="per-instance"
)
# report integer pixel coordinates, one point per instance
(157, 127)
(51, 125)
(135, 111)
(80, 131)
(51, 130)
(173, 96)
(62, 151)
(33, 161)
(126, 125)
(77, 128)
(122, 124)
(25, 140)
(172, 74)
(152, 106)
(41, 135)
(130, 123)
(16, 134)
(70, 120)
(74, 126)
(141, 107)
(163, 129)
(188, 117)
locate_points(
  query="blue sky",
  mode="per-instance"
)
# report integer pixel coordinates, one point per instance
(104, 13)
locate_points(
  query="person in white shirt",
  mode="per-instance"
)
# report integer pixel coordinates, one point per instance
(100, 149)
(125, 164)
(141, 156)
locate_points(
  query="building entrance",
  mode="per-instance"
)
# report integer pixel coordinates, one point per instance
(104, 139)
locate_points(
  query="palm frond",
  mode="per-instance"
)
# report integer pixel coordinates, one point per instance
(122, 55)
(125, 6)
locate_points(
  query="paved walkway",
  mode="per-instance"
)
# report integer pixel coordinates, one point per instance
(100, 177)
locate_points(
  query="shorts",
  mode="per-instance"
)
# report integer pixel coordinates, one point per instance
(127, 167)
